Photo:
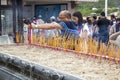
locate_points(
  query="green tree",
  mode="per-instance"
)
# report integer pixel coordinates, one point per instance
(86, 7)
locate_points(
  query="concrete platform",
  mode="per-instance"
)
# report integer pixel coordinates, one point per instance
(5, 40)
(7, 74)
(42, 72)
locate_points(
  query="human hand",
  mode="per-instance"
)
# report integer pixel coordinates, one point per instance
(29, 26)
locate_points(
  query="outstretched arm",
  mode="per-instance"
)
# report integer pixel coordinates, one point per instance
(114, 36)
(47, 26)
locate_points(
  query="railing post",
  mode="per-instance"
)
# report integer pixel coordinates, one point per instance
(29, 35)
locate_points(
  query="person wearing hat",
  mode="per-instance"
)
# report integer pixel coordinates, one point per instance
(52, 32)
(40, 20)
(52, 19)
(103, 29)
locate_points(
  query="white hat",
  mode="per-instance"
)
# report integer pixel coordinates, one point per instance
(40, 16)
(52, 17)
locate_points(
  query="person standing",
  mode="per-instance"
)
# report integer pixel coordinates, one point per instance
(53, 32)
(103, 29)
(113, 20)
(25, 30)
(112, 24)
(117, 25)
(40, 21)
(95, 29)
(78, 20)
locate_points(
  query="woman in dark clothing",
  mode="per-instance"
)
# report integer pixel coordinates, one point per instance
(78, 19)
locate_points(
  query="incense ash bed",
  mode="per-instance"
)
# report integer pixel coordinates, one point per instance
(83, 66)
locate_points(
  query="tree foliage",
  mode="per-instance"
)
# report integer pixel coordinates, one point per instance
(86, 7)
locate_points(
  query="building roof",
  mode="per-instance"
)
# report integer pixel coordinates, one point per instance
(65, 0)
(78, 0)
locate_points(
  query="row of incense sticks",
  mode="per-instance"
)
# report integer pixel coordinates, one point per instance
(80, 45)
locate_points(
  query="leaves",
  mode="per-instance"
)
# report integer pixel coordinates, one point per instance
(86, 7)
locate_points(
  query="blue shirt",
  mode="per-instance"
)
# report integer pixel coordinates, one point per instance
(69, 28)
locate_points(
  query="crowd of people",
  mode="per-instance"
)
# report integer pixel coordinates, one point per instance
(101, 29)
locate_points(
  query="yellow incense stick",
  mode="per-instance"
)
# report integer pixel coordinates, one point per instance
(17, 37)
